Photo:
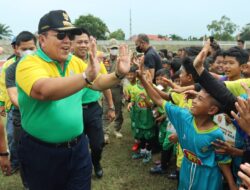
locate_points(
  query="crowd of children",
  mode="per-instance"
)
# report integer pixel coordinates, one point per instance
(188, 107)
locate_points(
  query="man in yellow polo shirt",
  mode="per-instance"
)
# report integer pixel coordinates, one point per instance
(53, 150)
(92, 110)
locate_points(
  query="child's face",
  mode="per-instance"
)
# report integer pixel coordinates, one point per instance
(158, 80)
(131, 76)
(217, 66)
(177, 81)
(184, 77)
(245, 68)
(202, 103)
(232, 68)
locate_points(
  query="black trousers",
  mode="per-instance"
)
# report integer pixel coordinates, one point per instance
(92, 118)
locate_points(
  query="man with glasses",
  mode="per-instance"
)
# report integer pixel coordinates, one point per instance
(53, 150)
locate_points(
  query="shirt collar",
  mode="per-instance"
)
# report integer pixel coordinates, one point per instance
(46, 58)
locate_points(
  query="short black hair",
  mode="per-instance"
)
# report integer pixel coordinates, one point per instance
(85, 31)
(162, 72)
(242, 41)
(219, 52)
(164, 52)
(25, 36)
(176, 64)
(240, 55)
(176, 75)
(187, 64)
(133, 69)
(165, 61)
(143, 37)
(193, 50)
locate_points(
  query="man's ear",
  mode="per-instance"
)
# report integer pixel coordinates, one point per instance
(41, 39)
(190, 77)
(213, 110)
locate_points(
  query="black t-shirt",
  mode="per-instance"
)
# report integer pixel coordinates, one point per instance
(10, 75)
(10, 81)
(152, 60)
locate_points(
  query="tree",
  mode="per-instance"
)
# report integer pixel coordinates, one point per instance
(5, 31)
(245, 33)
(118, 34)
(222, 29)
(175, 37)
(94, 25)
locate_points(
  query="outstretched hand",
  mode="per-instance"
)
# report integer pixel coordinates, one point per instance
(123, 61)
(5, 165)
(244, 174)
(201, 57)
(170, 83)
(243, 108)
(93, 65)
(190, 94)
(140, 72)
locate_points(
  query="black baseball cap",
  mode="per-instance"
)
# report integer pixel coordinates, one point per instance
(57, 20)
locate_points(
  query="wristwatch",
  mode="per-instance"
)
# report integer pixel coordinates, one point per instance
(86, 79)
(4, 154)
(120, 77)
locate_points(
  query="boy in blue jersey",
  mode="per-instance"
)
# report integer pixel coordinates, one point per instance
(201, 167)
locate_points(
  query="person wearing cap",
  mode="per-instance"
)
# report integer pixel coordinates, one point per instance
(117, 94)
(53, 149)
(92, 110)
(152, 60)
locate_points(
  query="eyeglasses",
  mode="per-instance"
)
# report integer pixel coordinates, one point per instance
(62, 35)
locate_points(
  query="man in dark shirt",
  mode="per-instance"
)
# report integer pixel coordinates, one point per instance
(152, 59)
(26, 44)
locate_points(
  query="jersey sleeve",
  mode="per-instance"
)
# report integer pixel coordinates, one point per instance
(235, 86)
(176, 115)
(28, 72)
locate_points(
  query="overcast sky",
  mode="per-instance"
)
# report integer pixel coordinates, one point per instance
(182, 17)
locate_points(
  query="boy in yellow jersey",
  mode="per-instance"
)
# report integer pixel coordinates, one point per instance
(128, 93)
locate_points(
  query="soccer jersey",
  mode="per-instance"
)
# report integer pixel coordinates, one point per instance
(4, 97)
(199, 168)
(235, 86)
(142, 113)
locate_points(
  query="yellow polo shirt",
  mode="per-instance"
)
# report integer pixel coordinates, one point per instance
(51, 121)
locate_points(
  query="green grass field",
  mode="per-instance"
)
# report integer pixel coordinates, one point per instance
(120, 171)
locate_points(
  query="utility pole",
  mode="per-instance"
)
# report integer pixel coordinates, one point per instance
(130, 24)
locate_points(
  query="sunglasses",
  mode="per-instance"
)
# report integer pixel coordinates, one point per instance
(62, 35)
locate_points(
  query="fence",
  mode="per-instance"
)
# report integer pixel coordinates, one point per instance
(170, 45)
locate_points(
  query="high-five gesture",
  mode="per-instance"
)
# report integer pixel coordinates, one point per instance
(123, 61)
(93, 64)
(140, 72)
(243, 108)
(201, 57)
